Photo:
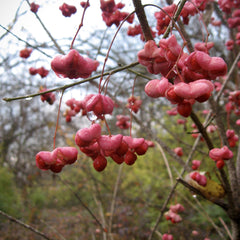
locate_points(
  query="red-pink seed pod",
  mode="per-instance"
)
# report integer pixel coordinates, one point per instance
(73, 65)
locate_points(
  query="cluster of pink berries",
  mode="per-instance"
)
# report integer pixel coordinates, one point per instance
(25, 53)
(178, 151)
(232, 138)
(75, 107)
(228, 5)
(217, 86)
(101, 105)
(163, 19)
(190, 8)
(137, 30)
(219, 155)
(83, 4)
(238, 122)
(123, 122)
(97, 146)
(232, 16)
(95, 103)
(181, 121)
(67, 10)
(34, 7)
(41, 71)
(237, 38)
(215, 22)
(211, 128)
(167, 236)
(172, 112)
(73, 65)
(203, 47)
(56, 159)
(111, 14)
(172, 215)
(48, 97)
(230, 43)
(98, 104)
(199, 178)
(192, 80)
(196, 164)
(233, 104)
(195, 132)
(160, 59)
(90, 141)
(120, 148)
(134, 103)
(234, 21)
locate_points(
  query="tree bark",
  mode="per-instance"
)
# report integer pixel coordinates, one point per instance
(142, 19)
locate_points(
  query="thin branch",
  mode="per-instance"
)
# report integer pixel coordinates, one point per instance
(186, 36)
(166, 163)
(228, 78)
(202, 130)
(73, 84)
(175, 185)
(109, 48)
(14, 20)
(140, 74)
(57, 123)
(180, 140)
(36, 231)
(203, 212)
(20, 39)
(231, 188)
(226, 228)
(81, 23)
(114, 198)
(82, 203)
(101, 212)
(198, 192)
(233, 171)
(172, 23)
(163, 144)
(176, 15)
(142, 19)
(53, 229)
(163, 209)
(46, 30)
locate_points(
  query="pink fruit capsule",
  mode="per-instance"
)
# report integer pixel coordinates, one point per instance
(73, 65)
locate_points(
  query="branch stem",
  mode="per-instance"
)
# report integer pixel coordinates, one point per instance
(202, 130)
(142, 19)
(22, 40)
(73, 84)
(13, 219)
(81, 24)
(48, 33)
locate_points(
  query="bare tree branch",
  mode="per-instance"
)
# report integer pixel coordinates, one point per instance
(28, 227)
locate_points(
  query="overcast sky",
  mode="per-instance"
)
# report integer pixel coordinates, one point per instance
(50, 15)
(28, 27)
(7, 10)
(8, 7)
